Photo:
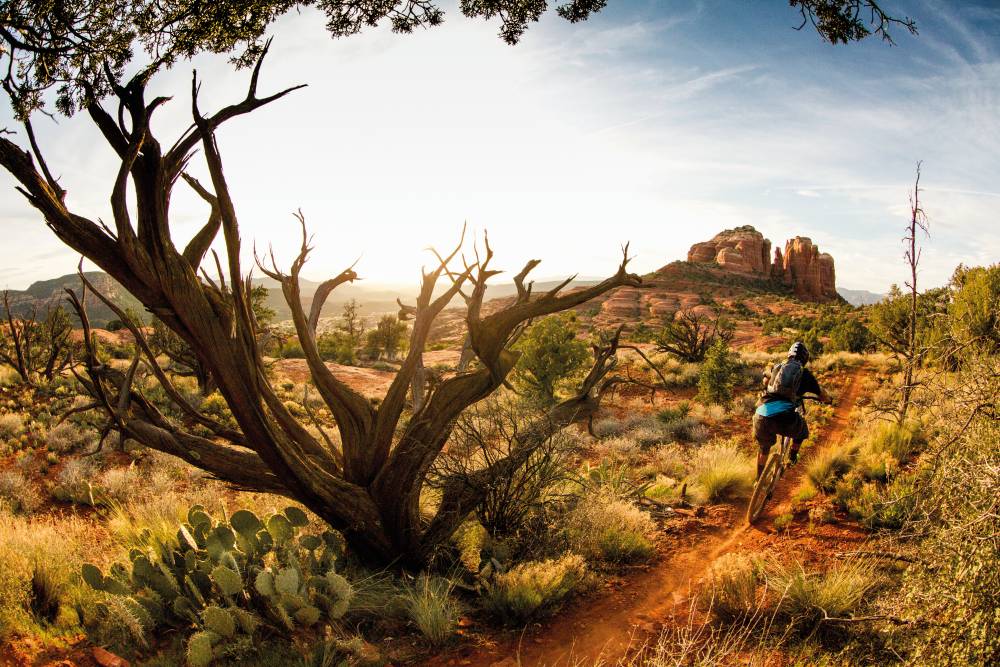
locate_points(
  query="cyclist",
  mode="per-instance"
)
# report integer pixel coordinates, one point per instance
(785, 383)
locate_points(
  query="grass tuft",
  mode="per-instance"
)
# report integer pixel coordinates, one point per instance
(430, 606)
(532, 588)
(723, 471)
(607, 528)
(829, 465)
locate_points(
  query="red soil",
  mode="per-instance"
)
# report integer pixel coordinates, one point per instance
(634, 609)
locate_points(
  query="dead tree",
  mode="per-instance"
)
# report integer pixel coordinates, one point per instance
(37, 350)
(368, 488)
(911, 354)
(689, 334)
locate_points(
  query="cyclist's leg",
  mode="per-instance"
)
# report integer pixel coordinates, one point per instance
(798, 436)
(765, 435)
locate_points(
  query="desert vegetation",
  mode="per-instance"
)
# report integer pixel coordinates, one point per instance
(203, 482)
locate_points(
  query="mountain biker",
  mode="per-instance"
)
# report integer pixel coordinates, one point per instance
(784, 384)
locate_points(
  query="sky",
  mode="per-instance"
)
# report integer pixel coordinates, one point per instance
(656, 122)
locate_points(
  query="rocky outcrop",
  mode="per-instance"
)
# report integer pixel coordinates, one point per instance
(741, 250)
(808, 272)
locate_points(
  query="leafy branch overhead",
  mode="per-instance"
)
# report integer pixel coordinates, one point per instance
(81, 48)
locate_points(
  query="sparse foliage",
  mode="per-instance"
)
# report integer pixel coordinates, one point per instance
(37, 349)
(689, 334)
(387, 339)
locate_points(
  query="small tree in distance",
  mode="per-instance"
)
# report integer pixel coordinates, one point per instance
(37, 349)
(851, 335)
(551, 355)
(717, 374)
(387, 339)
(353, 324)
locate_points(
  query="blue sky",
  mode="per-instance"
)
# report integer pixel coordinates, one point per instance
(655, 122)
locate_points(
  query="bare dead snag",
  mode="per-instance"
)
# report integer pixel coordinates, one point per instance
(37, 349)
(368, 484)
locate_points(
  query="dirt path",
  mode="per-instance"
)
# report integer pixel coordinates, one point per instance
(603, 629)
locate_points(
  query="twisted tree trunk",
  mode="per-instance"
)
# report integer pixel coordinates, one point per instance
(368, 488)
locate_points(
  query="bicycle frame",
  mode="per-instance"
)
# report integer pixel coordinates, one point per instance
(777, 461)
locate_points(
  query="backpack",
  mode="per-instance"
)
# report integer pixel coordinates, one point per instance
(785, 379)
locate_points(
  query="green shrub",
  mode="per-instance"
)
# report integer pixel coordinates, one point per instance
(604, 527)
(530, 589)
(820, 515)
(664, 489)
(551, 356)
(674, 413)
(805, 492)
(718, 374)
(214, 405)
(829, 465)
(291, 350)
(724, 471)
(430, 606)
(899, 441)
(885, 506)
(847, 488)
(851, 335)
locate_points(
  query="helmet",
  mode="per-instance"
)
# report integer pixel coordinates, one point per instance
(798, 351)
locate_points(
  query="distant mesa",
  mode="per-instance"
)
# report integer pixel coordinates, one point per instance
(744, 250)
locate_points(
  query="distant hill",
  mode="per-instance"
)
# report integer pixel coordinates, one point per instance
(46, 294)
(859, 297)
(375, 298)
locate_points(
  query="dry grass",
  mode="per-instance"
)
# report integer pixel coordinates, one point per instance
(18, 493)
(535, 587)
(734, 587)
(62, 545)
(431, 608)
(829, 465)
(723, 471)
(812, 597)
(607, 528)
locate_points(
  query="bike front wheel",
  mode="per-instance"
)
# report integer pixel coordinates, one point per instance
(765, 484)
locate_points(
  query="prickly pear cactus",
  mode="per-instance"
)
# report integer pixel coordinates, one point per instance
(227, 577)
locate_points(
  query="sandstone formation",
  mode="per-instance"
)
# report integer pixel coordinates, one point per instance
(745, 251)
(808, 272)
(741, 250)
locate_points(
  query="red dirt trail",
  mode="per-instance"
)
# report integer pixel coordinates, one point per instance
(604, 628)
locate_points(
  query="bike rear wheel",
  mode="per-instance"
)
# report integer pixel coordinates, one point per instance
(768, 479)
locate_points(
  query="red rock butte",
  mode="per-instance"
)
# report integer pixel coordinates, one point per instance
(745, 251)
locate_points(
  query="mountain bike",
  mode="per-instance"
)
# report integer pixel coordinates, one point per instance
(777, 461)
